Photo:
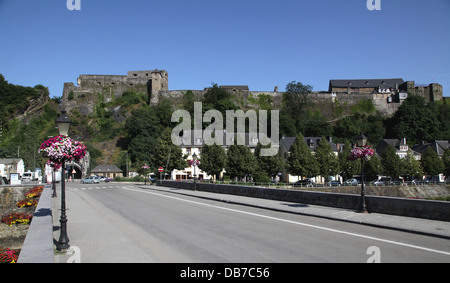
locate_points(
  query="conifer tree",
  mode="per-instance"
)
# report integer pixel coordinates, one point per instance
(301, 161)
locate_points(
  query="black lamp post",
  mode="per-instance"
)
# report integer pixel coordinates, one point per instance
(194, 157)
(63, 124)
(361, 141)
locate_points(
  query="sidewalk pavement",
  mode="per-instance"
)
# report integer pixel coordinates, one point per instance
(415, 225)
(103, 248)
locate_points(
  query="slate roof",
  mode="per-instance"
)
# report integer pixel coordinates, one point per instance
(238, 87)
(251, 139)
(312, 142)
(367, 83)
(107, 169)
(10, 160)
(437, 146)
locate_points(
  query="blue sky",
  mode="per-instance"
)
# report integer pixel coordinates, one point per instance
(258, 43)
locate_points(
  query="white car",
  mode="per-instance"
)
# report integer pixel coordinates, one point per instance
(90, 180)
(27, 176)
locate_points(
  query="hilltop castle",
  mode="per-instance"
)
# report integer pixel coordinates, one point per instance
(386, 94)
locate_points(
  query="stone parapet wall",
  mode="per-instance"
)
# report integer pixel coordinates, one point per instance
(436, 210)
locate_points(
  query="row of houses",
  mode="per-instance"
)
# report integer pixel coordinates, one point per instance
(16, 165)
(400, 145)
(285, 144)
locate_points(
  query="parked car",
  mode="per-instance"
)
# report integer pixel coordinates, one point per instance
(304, 183)
(27, 176)
(334, 184)
(383, 181)
(90, 180)
(352, 182)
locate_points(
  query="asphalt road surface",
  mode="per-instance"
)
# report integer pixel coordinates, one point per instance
(124, 223)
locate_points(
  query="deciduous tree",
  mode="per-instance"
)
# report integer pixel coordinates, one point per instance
(213, 160)
(300, 161)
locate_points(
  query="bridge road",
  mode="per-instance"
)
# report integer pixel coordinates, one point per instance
(124, 223)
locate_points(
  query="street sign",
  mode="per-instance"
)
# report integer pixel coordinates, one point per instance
(160, 169)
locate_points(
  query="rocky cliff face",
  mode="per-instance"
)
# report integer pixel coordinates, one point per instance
(35, 108)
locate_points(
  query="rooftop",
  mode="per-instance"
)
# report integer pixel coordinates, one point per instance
(367, 83)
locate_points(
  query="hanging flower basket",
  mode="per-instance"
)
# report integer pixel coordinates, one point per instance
(193, 162)
(365, 153)
(61, 149)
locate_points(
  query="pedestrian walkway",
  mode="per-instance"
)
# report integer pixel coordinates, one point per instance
(415, 225)
(93, 235)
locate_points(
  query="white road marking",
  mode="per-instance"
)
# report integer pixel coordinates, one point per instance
(294, 222)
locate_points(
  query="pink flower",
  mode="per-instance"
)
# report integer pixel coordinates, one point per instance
(365, 153)
(62, 148)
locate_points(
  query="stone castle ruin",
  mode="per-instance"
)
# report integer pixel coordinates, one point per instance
(147, 82)
(385, 94)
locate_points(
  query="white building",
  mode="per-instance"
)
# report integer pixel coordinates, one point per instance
(11, 165)
(195, 145)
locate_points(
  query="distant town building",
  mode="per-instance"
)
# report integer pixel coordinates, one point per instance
(108, 171)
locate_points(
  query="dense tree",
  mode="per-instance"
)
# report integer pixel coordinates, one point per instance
(347, 167)
(15, 98)
(296, 97)
(314, 124)
(391, 162)
(219, 99)
(268, 166)
(295, 100)
(213, 160)
(372, 168)
(411, 167)
(414, 121)
(301, 161)
(446, 160)
(349, 127)
(167, 155)
(240, 162)
(431, 163)
(142, 131)
(143, 122)
(326, 159)
(442, 110)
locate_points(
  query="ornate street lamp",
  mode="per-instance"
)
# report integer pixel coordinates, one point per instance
(63, 123)
(361, 141)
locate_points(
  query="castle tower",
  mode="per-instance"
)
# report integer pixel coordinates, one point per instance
(159, 82)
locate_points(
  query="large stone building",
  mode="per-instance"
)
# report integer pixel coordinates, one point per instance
(394, 90)
(386, 94)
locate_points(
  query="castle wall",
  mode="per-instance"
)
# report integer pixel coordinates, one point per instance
(155, 84)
